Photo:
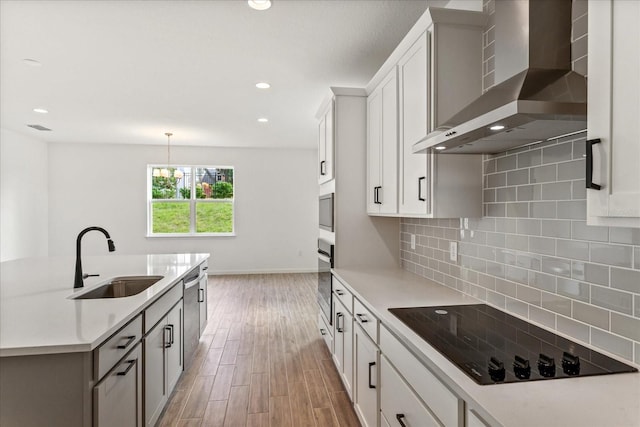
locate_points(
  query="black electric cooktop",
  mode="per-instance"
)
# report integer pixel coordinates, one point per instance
(493, 347)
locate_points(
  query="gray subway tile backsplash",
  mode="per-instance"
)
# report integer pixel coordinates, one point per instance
(590, 314)
(517, 177)
(612, 343)
(572, 249)
(573, 289)
(618, 255)
(557, 153)
(627, 280)
(573, 328)
(592, 273)
(581, 231)
(571, 170)
(626, 326)
(533, 255)
(546, 173)
(529, 158)
(612, 299)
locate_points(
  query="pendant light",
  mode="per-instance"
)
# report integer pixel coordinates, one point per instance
(164, 172)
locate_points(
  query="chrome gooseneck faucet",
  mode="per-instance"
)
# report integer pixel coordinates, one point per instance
(79, 278)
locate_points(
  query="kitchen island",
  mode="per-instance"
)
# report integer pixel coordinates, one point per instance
(607, 400)
(60, 356)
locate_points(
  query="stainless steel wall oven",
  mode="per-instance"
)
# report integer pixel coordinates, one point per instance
(325, 263)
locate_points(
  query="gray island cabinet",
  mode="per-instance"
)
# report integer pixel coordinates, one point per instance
(105, 362)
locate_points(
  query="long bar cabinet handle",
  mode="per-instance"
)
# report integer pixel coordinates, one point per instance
(589, 174)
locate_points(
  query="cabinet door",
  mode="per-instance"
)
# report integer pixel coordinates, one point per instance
(154, 370)
(322, 150)
(117, 399)
(343, 343)
(382, 147)
(173, 347)
(398, 403)
(374, 148)
(414, 125)
(365, 396)
(613, 112)
(202, 301)
(326, 145)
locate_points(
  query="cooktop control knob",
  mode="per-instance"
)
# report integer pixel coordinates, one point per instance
(546, 366)
(570, 364)
(521, 368)
(496, 369)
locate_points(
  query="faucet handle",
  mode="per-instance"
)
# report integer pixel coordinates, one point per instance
(84, 276)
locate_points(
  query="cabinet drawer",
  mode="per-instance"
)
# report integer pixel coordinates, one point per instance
(325, 331)
(440, 400)
(161, 307)
(117, 399)
(398, 404)
(366, 319)
(343, 294)
(114, 349)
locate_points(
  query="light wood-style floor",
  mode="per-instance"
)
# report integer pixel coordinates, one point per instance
(261, 361)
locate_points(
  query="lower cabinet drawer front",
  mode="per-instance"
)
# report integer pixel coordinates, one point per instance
(161, 306)
(399, 405)
(113, 349)
(440, 400)
(366, 319)
(343, 294)
(325, 331)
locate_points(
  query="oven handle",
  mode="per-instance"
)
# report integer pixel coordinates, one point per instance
(324, 258)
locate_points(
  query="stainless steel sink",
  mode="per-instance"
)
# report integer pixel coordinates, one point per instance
(119, 287)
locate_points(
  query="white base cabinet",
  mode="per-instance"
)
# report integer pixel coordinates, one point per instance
(343, 338)
(118, 396)
(613, 114)
(365, 394)
(398, 404)
(163, 361)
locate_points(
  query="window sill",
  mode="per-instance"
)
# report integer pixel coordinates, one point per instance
(190, 235)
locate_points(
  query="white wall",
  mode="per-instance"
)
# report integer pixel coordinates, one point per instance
(276, 204)
(23, 196)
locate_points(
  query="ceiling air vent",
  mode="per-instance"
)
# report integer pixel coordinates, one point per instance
(38, 127)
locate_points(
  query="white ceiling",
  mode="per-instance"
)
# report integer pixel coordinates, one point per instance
(127, 71)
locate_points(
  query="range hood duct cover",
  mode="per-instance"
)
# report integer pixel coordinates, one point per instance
(536, 95)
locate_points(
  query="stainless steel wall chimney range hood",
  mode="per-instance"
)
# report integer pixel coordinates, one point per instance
(536, 95)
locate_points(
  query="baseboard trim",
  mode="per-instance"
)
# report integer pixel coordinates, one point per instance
(269, 271)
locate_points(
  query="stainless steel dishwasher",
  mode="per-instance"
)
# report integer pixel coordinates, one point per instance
(191, 314)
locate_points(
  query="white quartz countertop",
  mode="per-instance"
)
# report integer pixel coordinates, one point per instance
(598, 401)
(38, 315)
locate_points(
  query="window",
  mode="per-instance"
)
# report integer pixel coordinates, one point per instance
(190, 201)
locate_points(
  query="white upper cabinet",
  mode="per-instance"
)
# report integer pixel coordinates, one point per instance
(414, 110)
(439, 66)
(326, 144)
(613, 121)
(382, 147)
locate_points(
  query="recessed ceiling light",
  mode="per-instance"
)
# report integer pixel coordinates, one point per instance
(263, 85)
(263, 120)
(40, 110)
(440, 147)
(496, 127)
(259, 4)
(32, 62)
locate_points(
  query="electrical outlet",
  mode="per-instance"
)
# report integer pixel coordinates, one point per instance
(413, 241)
(453, 251)
(466, 223)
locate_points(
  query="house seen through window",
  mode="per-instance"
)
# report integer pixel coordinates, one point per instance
(190, 200)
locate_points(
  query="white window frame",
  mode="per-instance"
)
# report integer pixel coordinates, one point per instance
(192, 201)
